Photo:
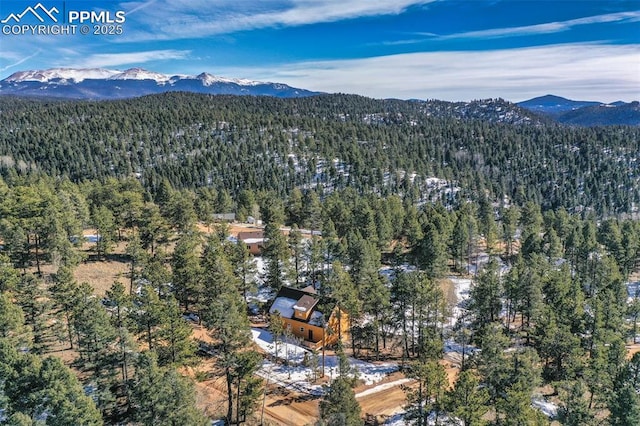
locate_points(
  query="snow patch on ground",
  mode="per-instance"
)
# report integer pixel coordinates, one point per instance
(633, 290)
(389, 272)
(481, 261)
(299, 377)
(462, 287)
(399, 420)
(261, 267)
(549, 409)
(396, 420)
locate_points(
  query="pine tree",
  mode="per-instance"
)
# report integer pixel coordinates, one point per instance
(487, 223)
(296, 248)
(180, 212)
(312, 210)
(429, 396)
(431, 252)
(492, 363)
(276, 254)
(510, 218)
(227, 321)
(65, 293)
(36, 388)
(244, 269)
(276, 328)
(150, 314)
(120, 319)
(248, 387)
(339, 405)
(186, 270)
(174, 333)
(31, 297)
(155, 271)
(515, 408)
(486, 302)
(12, 327)
(295, 209)
(9, 277)
(136, 258)
(467, 400)
(574, 410)
(96, 336)
(106, 228)
(217, 273)
(163, 397)
(339, 287)
(153, 228)
(460, 240)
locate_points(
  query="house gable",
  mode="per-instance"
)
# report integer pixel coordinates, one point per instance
(304, 306)
(299, 312)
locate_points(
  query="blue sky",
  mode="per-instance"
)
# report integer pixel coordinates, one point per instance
(427, 49)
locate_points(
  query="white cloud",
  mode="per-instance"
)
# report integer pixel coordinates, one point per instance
(546, 28)
(579, 71)
(200, 18)
(99, 60)
(18, 60)
(132, 8)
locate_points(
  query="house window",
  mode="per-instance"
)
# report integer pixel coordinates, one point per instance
(301, 329)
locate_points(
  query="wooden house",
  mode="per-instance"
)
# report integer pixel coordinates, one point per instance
(301, 316)
(254, 241)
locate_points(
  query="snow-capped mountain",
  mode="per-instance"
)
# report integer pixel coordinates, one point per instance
(99, 83)
(209, 79)
(60, 74)
(140, 74)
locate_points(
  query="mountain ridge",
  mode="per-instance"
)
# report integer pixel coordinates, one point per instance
(111, 84)
(553, 104)
(584, 113)
(104, 84)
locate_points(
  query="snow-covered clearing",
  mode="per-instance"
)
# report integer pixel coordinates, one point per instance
(295, 375)
(389, 272)
(462, 287)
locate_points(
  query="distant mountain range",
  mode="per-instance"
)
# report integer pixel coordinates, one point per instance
(585, 113)
(100, 84)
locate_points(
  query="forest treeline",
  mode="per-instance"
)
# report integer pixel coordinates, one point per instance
(329, 142)
(550, 308)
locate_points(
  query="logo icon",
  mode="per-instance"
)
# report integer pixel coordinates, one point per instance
(50, 13)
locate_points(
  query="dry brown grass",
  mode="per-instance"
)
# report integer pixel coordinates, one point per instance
(632, 349)
(100, 275)
(234, 228)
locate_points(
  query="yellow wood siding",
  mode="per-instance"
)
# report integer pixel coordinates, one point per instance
(337, 323)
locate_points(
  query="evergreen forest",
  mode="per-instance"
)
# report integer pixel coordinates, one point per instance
(381, 205)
